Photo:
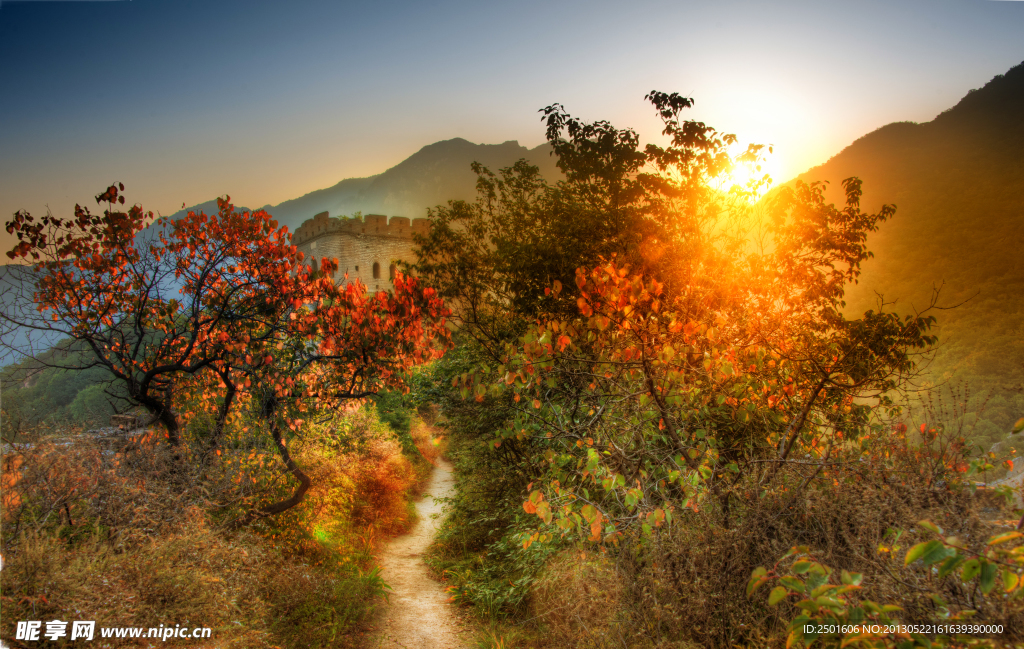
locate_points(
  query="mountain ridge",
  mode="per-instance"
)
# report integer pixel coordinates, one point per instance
(956, 182)
(435, 174)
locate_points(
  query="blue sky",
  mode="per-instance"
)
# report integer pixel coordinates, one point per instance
(184, 100)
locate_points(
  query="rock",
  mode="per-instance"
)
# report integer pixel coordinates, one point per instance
(125, 422)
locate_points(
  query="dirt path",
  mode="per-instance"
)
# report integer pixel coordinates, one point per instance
(419, 616)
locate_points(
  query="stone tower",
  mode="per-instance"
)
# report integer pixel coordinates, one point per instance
(366, 249)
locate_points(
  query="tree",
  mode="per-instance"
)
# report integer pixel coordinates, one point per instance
(219, 307)
(699, 342)
(492, 259)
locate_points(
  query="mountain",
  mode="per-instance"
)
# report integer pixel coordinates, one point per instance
(432, 176)
(17, 283)
(958, 186)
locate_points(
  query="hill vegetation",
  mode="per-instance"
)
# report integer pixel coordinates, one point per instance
(956, 182)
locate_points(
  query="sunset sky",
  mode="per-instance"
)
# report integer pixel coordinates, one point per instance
(186, 100)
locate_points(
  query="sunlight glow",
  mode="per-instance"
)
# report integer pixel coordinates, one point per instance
(754, 177)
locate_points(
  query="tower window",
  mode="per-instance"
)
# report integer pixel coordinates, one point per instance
(376, 270)
(391, 272)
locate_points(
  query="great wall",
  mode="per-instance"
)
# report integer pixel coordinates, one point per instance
(366, 249)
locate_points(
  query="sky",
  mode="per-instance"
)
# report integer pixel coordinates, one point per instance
(185, 100)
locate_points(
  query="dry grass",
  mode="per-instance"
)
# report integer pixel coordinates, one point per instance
(130, 493)
(196, 577)
(579, 599)
(687, 586)
(126, 539)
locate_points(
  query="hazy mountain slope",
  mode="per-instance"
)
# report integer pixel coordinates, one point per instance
(958, 185)
(17, 284)
(433, 175)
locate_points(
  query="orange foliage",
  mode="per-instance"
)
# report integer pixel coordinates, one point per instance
(10, 475)
(683, 398)
(430, 445)
(47, 480)
(382, 478)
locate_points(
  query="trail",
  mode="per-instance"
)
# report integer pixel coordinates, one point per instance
(418, 616)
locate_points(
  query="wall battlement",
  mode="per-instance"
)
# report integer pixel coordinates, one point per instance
(398, 227)
(367, 250)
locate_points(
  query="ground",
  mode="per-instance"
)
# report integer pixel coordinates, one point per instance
(418, 615)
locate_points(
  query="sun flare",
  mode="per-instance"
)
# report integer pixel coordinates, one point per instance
(752, 175)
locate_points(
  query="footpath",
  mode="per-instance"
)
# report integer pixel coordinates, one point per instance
(419, 616)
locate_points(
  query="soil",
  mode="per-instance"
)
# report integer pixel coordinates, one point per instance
(418, 615)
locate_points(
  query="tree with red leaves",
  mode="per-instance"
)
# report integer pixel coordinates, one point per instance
(220, 306)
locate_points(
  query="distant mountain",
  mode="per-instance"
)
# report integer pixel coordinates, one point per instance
(17, 284)
(432, 176)
(209, 207)
(958, 186)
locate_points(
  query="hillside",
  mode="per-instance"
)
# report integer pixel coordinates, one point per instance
(433, 175)
(957, 183)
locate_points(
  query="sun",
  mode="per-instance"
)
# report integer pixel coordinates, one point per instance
(753, 173)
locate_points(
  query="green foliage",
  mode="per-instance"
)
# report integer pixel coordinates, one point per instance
(35, 395)
(479, 549)
(319, 611)
(91, 404)
(830, 614)
(826, 615)
(495, 259)
(496, 580)
(395, 409)
(996, 559)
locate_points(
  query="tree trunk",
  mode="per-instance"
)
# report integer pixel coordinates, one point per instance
(269, 413)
